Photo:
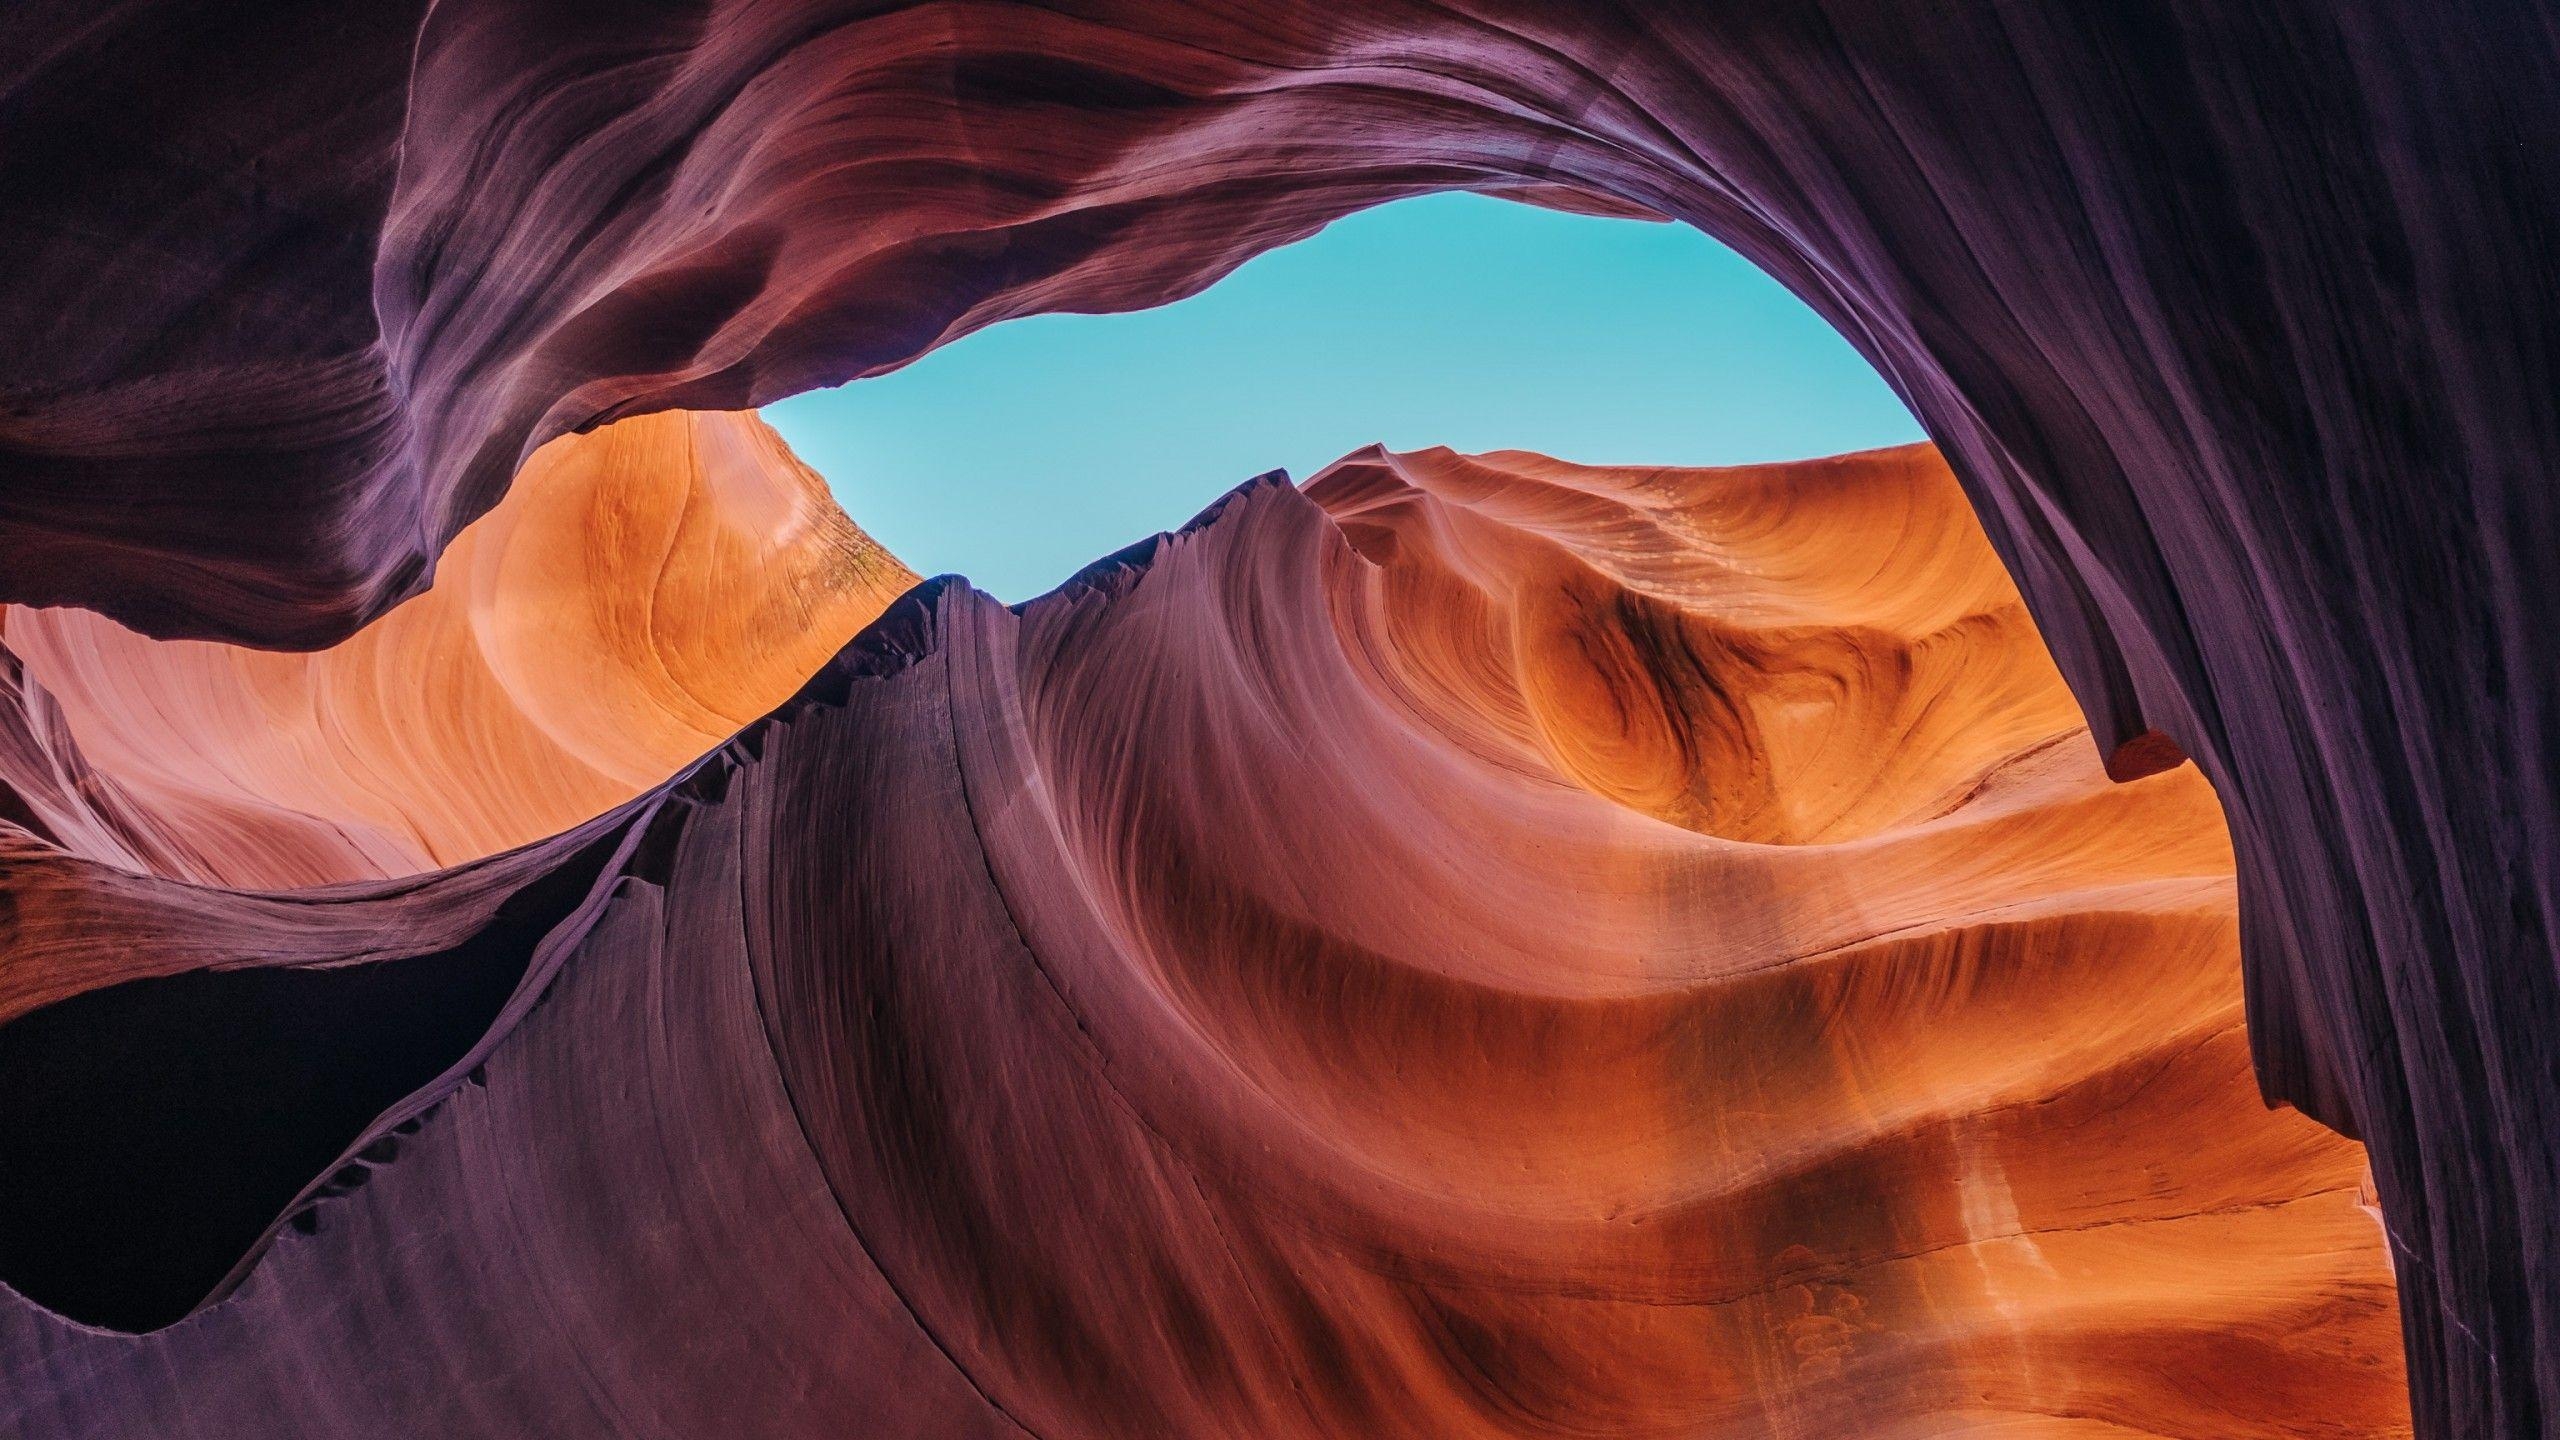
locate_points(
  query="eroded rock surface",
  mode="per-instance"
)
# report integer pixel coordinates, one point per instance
(644, 591)
(2233, 319)
(1480, 947)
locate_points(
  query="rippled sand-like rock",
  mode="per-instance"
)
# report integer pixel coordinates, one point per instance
(1479, 947)
(644, 591)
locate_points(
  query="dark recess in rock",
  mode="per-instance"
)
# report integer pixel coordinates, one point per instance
(151, 1131)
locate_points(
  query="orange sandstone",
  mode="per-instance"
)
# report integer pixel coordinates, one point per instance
(643, 592)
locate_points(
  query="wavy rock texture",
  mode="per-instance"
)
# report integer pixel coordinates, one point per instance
(1503, 949)
(644, 591)
(2233, 319)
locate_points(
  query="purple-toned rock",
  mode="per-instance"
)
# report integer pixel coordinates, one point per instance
(2233, 319)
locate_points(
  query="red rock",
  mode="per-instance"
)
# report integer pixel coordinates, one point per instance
(1505, 948)
(2233, 320)
(644, 591)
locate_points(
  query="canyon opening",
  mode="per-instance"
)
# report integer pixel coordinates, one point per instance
(523, 910)
(1521, 899)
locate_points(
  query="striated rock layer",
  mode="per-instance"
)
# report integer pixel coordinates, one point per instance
(1480, 947)
(644, 591)
(2234, 320)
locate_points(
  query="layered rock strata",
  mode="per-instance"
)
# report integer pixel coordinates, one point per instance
(1479, 947)
(644, 591)
(2233, 319)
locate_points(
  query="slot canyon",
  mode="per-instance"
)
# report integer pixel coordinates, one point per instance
(519, 916)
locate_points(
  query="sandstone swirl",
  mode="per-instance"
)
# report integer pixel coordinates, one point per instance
(644, 591)
(2234, 320)
(1476, 947)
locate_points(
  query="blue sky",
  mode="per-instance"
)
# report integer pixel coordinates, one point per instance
(1019, 453)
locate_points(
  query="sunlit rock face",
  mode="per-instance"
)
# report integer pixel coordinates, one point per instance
(644, 591)
(1481, 946)
(2233, 319)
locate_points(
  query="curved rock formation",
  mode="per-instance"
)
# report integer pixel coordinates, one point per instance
(1503, 949)
(2233, 319)
(644, 591)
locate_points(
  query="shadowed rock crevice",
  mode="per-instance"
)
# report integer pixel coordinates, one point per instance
(151, 1131)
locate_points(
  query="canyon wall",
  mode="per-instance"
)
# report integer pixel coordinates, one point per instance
(1478, 947)
(643, 592)
(2232, 319)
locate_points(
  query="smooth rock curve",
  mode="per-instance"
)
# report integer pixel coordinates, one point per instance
(1480, 947)
(644, 591)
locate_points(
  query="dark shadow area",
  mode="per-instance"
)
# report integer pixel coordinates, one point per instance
(151, 1131)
